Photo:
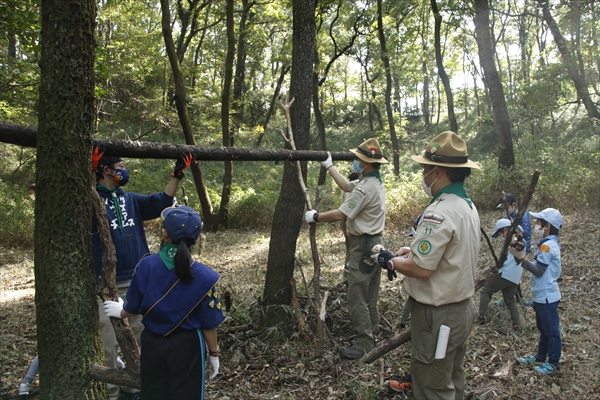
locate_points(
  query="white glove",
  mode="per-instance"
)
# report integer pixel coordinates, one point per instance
(518, 254)
(214, 363)
(309, 216)
(113, 308)
(328, 162)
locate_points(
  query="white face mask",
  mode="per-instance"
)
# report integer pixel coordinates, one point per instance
(32, 196)
(427, 189)
(538, 231)
(511, 210)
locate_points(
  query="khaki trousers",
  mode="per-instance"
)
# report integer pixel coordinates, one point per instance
(363, 291)
(445, 378)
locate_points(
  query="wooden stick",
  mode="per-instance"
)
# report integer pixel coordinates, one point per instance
(304, 331)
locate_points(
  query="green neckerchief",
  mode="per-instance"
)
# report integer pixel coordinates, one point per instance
(115, 201)
(458, 189)
(376, 174)
(167, 254)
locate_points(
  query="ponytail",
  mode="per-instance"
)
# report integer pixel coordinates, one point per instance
(183, 260)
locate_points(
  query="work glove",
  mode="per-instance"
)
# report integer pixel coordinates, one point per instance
(383, 257)
(214, 363)
(311, 216)
(328, 162)
(392, 274)
(517, 254)
(113, 308)
(96, 156)
(183, 161)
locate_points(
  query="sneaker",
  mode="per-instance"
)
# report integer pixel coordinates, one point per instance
(351, 353)
(500, 302)
(528, 360)
(517, 328)
(123, 395)
(398, 386)
(24, 388)
(526, 303)
(483, 319)
(546, 369)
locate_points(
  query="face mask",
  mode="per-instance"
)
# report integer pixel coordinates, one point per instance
(121, 176)
(356, 166)
(511, 210)
(538, 231)
(32, 196)
(427, 189)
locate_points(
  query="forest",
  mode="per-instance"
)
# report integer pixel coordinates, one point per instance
(518, 80)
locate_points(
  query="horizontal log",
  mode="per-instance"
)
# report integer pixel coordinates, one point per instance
(27, 137)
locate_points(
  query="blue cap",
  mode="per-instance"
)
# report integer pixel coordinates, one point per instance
(552, 215)
(181, 222)
(500, 224)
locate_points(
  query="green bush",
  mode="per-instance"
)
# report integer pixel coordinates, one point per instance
(16, 216)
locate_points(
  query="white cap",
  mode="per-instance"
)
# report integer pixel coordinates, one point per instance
(500, 224)
(552, 215)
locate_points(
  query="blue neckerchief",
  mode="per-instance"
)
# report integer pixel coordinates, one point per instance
(376, 174)
(458, 189)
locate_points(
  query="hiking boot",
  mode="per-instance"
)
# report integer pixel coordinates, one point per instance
(528, 360)
(547, 369)
(500, 303)
(517, 328)
(526, 303)
(483, 319)
(351, 353)
(24, 388)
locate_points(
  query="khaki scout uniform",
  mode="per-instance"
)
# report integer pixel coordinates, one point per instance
(365, 211)
(446, 241)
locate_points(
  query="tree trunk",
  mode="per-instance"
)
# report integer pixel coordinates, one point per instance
(320, 124)
(568, 62)
(225, 127)
(288, 215)
(182, 112)
(440, 66)
(506, 158)
(67, 311)
(388, 88)
(284, 70)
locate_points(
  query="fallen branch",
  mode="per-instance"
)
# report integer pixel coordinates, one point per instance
(304, 331)
(116, 376)
(234, 329)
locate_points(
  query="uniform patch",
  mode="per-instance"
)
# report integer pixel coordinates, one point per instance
(361, 191)
(545, 248)
(351, 203)
(212, 304)
(424, 247)
(433, 218)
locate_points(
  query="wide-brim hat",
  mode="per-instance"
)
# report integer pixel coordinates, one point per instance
(181, 222)
(551, 215)
(500, 224)
(447, 150)
(370, 151)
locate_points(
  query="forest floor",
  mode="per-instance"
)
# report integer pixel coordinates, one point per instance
(277, 363)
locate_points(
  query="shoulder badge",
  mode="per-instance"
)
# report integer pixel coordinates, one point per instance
(424, 247)
(545, 248)
(433, 218)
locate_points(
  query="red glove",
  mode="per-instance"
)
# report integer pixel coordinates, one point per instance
(182, 163)
(96, 156)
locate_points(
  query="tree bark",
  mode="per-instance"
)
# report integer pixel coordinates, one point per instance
(506, 158)
(288, 215)
(440, 66)
(568, 62)
(284, 70)
(67, 311)
(25, 136)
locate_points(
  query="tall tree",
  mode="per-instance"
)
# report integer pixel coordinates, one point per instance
(506, 157)
(569, 62)
(439, 60)
(287, 218)
(67, 311)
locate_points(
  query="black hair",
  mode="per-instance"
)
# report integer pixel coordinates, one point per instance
(31, 187)
(553, 229)
(353, 176)
(183, 260)
(457, 174)
(376, 165)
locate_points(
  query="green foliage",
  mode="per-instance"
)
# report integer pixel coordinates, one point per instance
(16, 216)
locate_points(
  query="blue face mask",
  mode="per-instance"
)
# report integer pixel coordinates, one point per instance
(121, 176)
(356, 166)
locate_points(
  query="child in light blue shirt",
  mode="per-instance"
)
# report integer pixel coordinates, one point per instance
(545, 271)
